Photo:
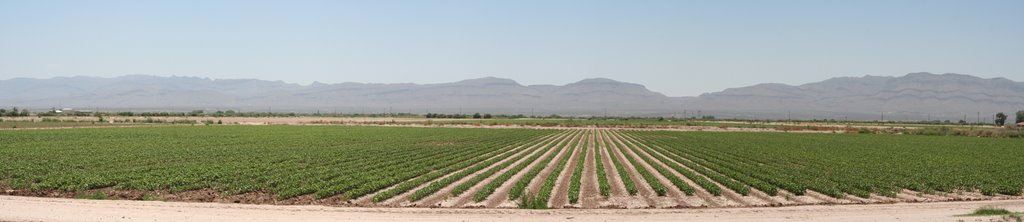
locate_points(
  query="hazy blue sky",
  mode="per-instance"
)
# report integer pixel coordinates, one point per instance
(675, 47)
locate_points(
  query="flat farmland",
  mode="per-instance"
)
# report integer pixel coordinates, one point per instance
(504, 168)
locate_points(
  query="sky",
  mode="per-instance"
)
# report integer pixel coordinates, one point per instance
(676, 47)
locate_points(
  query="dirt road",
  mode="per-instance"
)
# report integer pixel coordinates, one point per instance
(16, 208)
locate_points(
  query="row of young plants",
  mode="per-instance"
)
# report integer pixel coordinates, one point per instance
(519, 188)
(646, 175)
(437, 185)
(490, 187)
(478, 161)
(548, 185)
(849, 164)
(676, 181)
(465, 186)
(617, 165)
(285, 161)
(576, 180)
(677, 163)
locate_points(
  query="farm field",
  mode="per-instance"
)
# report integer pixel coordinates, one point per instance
(504, 168)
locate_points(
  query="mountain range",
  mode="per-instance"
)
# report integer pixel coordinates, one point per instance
(915, 96)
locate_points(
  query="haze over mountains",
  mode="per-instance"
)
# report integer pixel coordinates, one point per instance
(915, 96)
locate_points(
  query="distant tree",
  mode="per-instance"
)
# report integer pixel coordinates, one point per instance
(14, 112)
(3, 111)
(24, 112)
(1000, 119)
(477, 116)
(1020, 116)
(487, 116)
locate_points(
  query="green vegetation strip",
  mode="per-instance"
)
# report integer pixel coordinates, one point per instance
(621, 169)
(602, 177)
(577, 173)
(285, 161)
(856, 164)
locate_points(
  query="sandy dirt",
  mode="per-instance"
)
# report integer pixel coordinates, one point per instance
(368, 121)
(590, 194)
(14, 208)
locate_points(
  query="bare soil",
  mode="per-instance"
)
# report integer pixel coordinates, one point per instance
(590, 193)
(18, 209)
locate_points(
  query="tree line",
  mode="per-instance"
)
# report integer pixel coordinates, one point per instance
(14, 112)
(1001, 118)
(457, 116)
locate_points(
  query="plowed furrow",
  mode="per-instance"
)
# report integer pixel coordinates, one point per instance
(728, 198)
(590, 195)
(466, 198)
(500, 196)
(560, 195)
(644, 189)
(435, 198)
(673, 192)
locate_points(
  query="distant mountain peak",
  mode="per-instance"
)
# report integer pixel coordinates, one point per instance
(598, 81)
(490, 80)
